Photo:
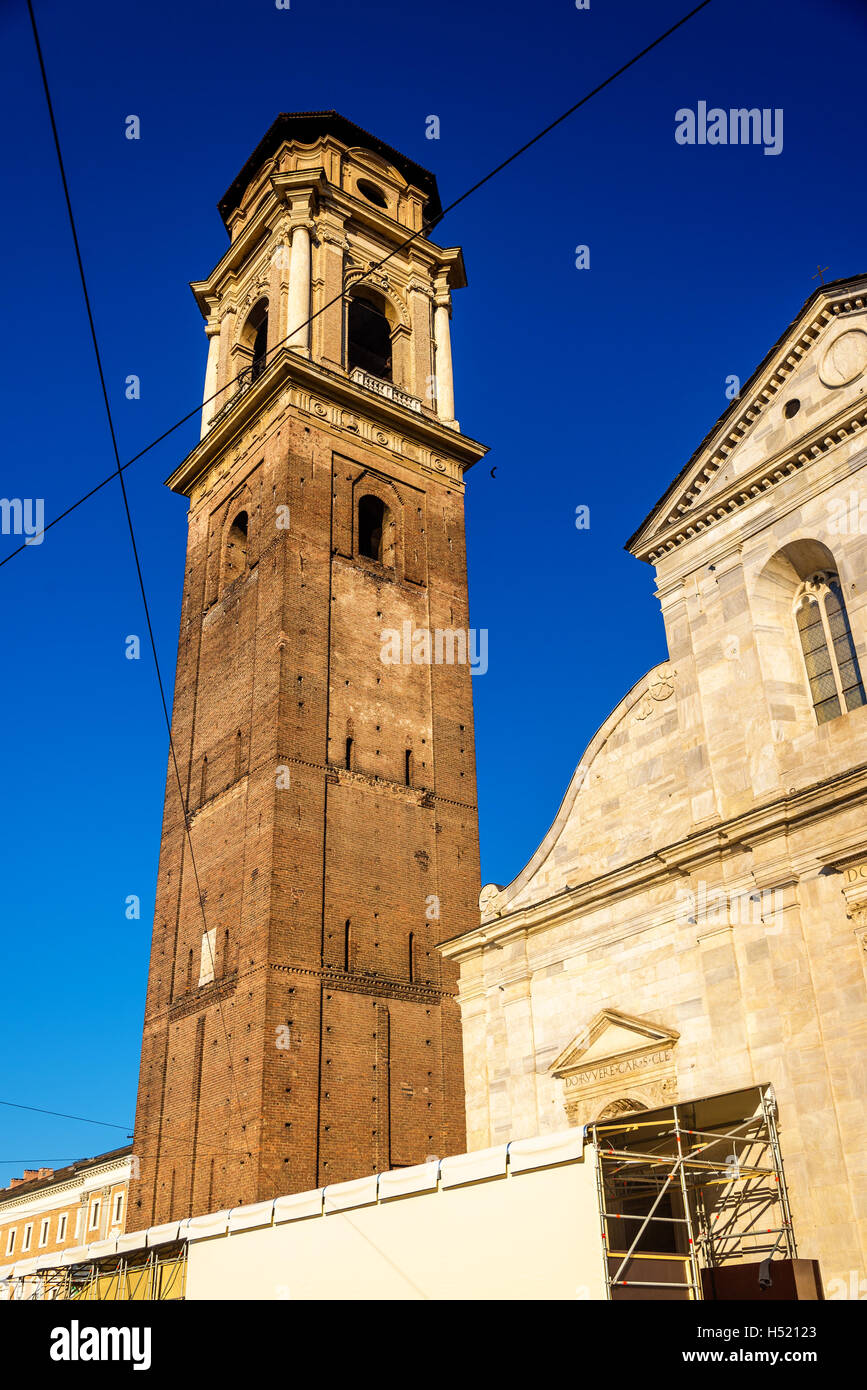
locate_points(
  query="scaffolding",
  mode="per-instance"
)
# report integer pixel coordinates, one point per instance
(707, 1177)
(153, 1275)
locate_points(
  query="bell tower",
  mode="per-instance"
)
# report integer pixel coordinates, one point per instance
(301, 1026)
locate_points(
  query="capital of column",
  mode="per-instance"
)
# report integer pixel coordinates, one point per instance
(414, 286)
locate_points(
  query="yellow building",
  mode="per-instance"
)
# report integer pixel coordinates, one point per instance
(48, 1211)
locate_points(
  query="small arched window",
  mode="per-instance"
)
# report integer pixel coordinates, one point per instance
(236, 548)
(829, 652)
(369, 339)
(375, 530)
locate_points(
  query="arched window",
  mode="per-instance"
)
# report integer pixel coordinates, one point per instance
(369, 339)
(236, 548)
(375, 532)
(826, 641)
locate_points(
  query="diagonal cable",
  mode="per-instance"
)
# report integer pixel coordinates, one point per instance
(425, 228)
(119, 475)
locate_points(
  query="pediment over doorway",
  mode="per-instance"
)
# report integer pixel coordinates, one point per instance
(617, 1061)
(612, 1037)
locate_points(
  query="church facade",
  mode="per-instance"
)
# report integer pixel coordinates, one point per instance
(695, 919)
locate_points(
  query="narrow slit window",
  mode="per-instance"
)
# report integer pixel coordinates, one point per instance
(407, 768)
(239, 752)
(349, 753)
(236, 548)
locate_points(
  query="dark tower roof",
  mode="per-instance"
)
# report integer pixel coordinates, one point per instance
(305, 126)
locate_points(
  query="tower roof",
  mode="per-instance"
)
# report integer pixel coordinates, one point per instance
(306, 126)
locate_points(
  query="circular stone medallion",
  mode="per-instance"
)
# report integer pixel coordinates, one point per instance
(845, 359)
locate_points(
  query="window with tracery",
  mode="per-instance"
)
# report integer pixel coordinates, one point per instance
(829, 651)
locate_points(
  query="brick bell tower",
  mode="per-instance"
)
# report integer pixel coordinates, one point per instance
(301, 1027)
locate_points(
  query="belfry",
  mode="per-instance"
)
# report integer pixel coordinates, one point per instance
(301, 1027)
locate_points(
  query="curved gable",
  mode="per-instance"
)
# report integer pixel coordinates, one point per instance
(632, 775)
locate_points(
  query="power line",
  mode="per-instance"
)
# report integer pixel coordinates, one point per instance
(119, 474)
(426, 227)
(109, 1124)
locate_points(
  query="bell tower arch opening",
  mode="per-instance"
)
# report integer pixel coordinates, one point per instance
(369, 335)
(254, 337)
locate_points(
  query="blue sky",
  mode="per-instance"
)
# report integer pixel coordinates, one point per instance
(592, 387)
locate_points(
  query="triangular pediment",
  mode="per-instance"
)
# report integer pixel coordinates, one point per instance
(795, 406)
(610, 1037)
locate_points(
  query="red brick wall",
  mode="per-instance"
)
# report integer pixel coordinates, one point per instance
(288, 656)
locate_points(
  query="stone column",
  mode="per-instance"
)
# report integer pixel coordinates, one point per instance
(299, 290)
(445, 386)
(209, 407)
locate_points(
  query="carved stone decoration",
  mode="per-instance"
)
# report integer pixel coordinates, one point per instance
(845, 358)
(490, 900)
(855, 897)
(662, 682)
(660, 686)
(617, 1060)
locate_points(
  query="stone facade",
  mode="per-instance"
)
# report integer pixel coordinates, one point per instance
(695, 920)
(300, 1026)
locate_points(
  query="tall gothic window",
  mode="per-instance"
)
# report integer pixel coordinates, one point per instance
(826, 641)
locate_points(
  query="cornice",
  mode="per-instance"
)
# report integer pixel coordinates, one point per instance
(356, 982)
(272, 216)
(832, 302)
(52, 1191)
(723, 544)
(847, 424)
(679, 859)
(330, 399)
